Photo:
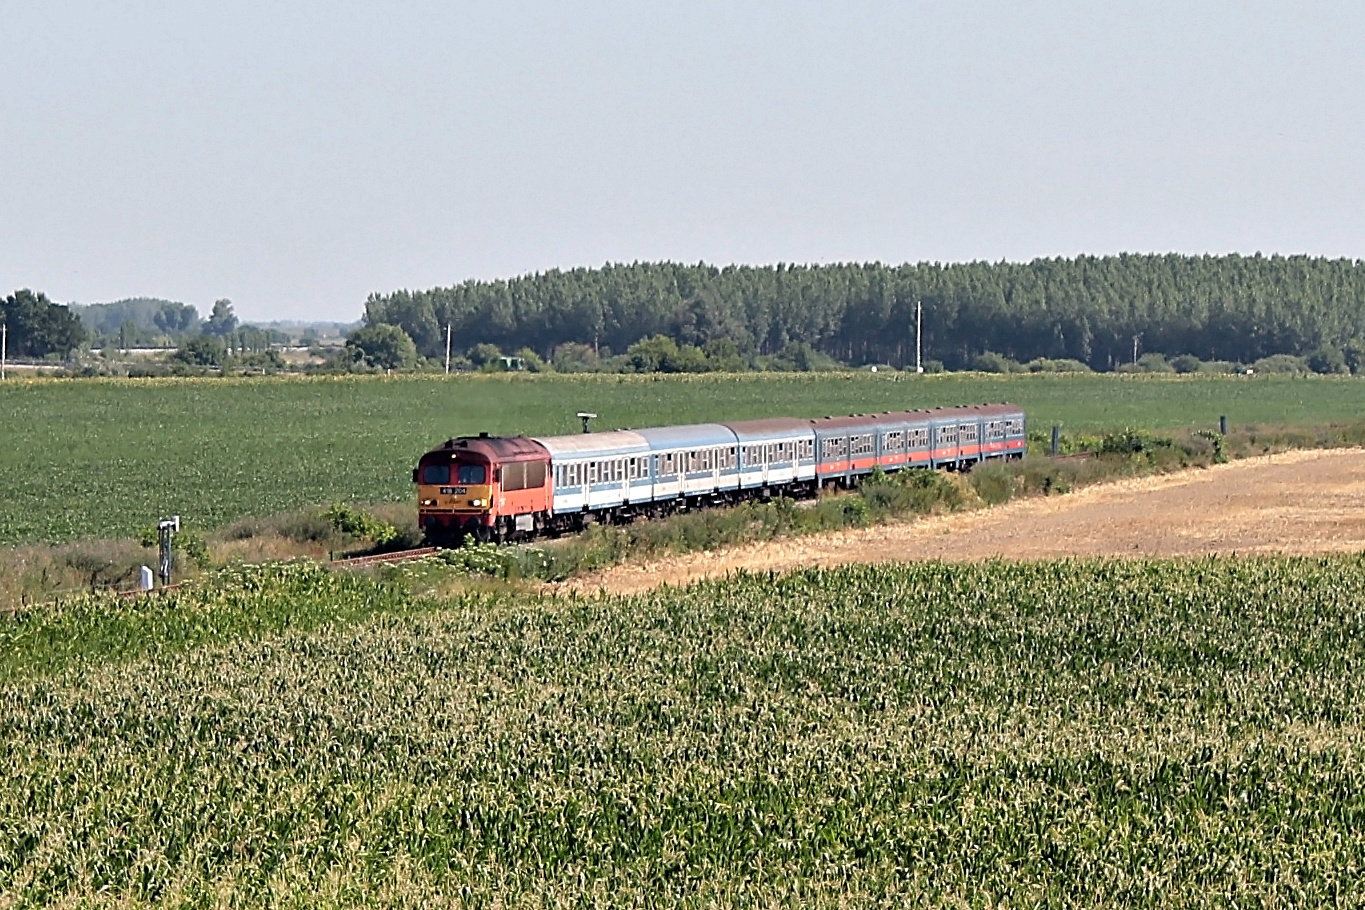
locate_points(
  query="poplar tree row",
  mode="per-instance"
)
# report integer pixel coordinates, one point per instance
(1091, 309)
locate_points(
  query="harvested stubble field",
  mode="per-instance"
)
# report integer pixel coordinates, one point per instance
(1081, 734)
(107, 458)
(1298, 502)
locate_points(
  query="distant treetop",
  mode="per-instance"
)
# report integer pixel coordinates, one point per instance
(1094, 310)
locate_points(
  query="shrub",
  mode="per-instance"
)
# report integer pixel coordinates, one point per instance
(1328, 359)
(361, 524)
(1154, 363)
(991, 362)
(1132, 442)
(993, 482)
(1062, 365)
(572, 357)
(1280, 363)
(201, 351)
(188, 542)
(1221, 366)
(481, 559)
(1186, 363)
(382, 346)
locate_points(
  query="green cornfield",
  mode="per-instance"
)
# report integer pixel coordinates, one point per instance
(107, 458)
(1065, 734)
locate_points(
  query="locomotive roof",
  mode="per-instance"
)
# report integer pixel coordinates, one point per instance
(492, 448)
(588, 445)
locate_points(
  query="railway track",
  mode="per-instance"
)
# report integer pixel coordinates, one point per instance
(356, 562)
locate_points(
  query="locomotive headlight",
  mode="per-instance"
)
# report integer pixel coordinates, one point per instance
(477, 503)
(428, 502)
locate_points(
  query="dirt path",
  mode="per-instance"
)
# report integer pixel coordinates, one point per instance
(1296, 502)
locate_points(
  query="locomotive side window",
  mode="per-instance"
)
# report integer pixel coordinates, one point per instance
(523, 475)
(436, 474)
(472, 474)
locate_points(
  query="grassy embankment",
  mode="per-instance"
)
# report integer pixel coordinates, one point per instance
(1062, 734)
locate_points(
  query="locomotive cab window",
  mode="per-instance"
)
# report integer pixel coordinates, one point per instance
(436, 474)
(471, 474)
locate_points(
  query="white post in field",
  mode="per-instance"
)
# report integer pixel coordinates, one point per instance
(4, 347)
(447, 349)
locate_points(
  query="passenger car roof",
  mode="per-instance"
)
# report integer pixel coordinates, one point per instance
(590, 445)
(769, 428)
(690, 435)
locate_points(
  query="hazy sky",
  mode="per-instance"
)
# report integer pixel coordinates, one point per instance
(297, 156)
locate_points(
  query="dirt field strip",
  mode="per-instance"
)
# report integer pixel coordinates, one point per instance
(1295, 502)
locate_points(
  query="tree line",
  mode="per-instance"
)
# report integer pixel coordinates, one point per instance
(1096, 310)
(36, 327)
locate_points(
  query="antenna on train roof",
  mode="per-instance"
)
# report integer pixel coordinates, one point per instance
(585, 416)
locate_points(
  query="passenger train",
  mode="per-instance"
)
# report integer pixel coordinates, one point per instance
(516, 487)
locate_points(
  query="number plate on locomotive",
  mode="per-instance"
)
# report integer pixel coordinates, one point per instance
(454, 491)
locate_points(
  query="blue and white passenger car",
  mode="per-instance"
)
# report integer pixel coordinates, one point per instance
(776, 453)
(598, 471)
(696, 460)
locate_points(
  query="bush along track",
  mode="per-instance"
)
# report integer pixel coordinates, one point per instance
(1111, 734)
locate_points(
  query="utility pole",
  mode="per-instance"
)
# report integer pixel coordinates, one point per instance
(447, 349)
(166, 529)
(4, 347)
(919, 334)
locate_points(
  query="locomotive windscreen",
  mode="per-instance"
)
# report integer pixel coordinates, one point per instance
(472, 474)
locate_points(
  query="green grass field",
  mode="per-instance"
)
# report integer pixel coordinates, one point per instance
(95, 458)
(1140, 734)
